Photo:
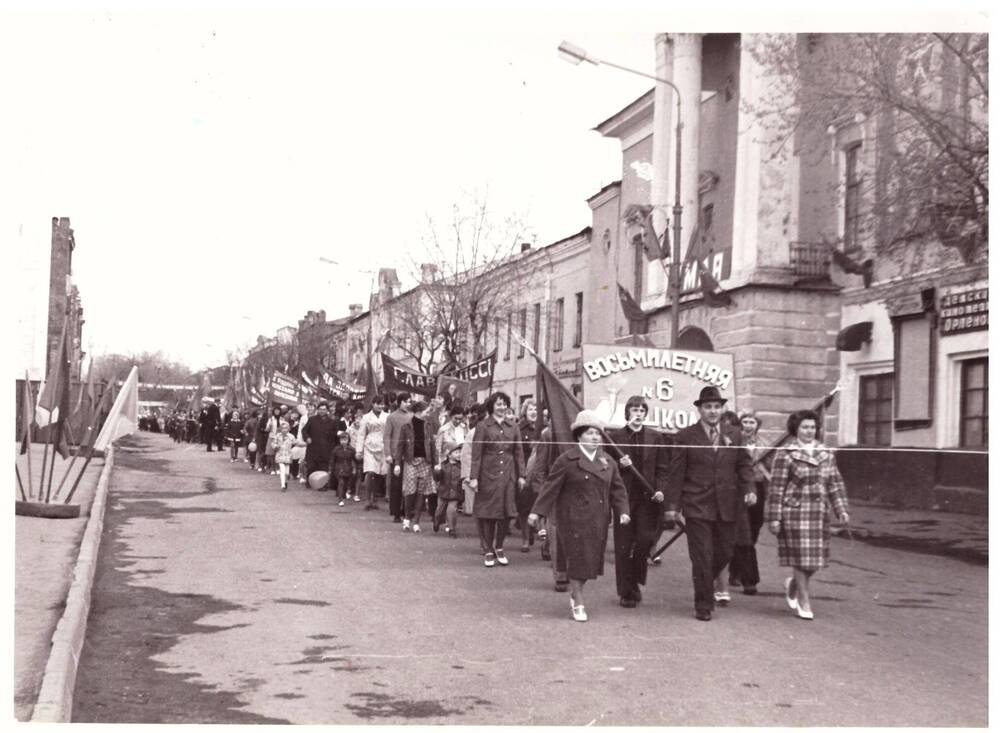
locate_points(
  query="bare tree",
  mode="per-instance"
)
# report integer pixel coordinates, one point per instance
(154, 367)
(471, 274)
(926, 97)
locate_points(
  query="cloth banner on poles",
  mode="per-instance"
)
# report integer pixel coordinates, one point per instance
(403, 379)
(284, 389)
(339, 388)
(478, 373)
(124, 416)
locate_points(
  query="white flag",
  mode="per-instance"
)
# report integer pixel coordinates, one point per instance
(124, 416)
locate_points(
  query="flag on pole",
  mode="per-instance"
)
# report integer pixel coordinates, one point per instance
(652, 246)
(633, 311)
(712, 293)
(124, 416)
(54, 399)
(28, 415)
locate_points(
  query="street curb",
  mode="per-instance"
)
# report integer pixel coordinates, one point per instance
(55, 698)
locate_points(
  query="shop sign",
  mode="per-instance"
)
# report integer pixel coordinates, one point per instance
(567, 368)
(965, 311)
(906, 305)
(670, 380)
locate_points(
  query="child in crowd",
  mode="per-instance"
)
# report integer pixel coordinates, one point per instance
(283, 444)
(234, 433)
(343, 467)
(450, 491)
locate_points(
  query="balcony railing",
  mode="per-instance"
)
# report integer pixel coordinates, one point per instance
(809, 260)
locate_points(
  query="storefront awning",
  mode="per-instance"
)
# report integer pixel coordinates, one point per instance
(852, 337)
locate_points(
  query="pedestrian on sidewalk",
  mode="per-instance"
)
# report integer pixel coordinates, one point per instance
(414, 458)
(497, 472)
(283, 444)
(805, 484)
(743, 568)
(644, 449)
(391, 435)
(219, 429)
(234, 433)
(584, 489)
(710, 477)
(342, 467)
(369, 450)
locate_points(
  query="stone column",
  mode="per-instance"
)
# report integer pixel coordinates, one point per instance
(664, 121)
(687, 77)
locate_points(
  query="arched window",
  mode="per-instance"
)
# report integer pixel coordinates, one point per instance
(695, 339)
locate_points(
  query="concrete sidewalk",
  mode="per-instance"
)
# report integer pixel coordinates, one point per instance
(948, 534)
(45, 553)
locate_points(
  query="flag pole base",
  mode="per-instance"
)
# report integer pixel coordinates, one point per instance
(46, 511)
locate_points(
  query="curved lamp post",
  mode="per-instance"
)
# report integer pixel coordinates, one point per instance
(576, 55)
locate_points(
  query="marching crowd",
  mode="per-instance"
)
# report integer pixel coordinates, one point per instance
(429, 458)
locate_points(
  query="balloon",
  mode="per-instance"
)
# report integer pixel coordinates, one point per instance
(318, 479)
(252, 447)
(298, 452)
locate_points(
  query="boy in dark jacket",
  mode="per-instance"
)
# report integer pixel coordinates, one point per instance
(450, 491)
(342, 466)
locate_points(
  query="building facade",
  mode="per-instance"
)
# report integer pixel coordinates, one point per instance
(902, 332)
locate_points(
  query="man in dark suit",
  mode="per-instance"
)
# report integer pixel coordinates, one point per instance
(644, 449)
(710, 475)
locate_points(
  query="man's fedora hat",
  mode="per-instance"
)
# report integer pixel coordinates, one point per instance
(709, 394)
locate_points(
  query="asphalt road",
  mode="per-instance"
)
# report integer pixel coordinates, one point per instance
(220, 599)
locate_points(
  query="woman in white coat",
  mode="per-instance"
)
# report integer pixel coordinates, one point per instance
(370, 450)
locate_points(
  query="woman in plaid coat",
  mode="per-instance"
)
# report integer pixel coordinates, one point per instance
(805, 483)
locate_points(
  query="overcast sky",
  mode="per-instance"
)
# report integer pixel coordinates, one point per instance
(207, 159)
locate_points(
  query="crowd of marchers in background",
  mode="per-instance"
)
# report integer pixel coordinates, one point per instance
(441, 460)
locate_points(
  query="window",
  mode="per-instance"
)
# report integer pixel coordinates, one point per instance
(522, 330)
(875, 410)
(510, 329)
(578, 335)
(536, 334)
(852, 197)
(638, 265)
(914, 361)
(496, 335)
(974, 412)
(557, 332)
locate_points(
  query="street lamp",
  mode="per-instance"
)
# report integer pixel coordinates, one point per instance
(576, 55)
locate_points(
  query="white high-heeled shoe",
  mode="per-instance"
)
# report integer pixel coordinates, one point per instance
(579, 612)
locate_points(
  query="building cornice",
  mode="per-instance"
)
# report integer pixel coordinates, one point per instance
(621, 123)
(609, 192)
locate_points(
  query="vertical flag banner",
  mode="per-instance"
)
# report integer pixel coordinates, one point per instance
(124, 416)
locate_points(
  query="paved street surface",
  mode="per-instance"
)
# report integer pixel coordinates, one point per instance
(221, 600)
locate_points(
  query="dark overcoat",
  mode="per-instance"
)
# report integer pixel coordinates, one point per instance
(529, 439)
(497, 463)
(705, 483)
(322, 431)
(580, 494)
(653, 464)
